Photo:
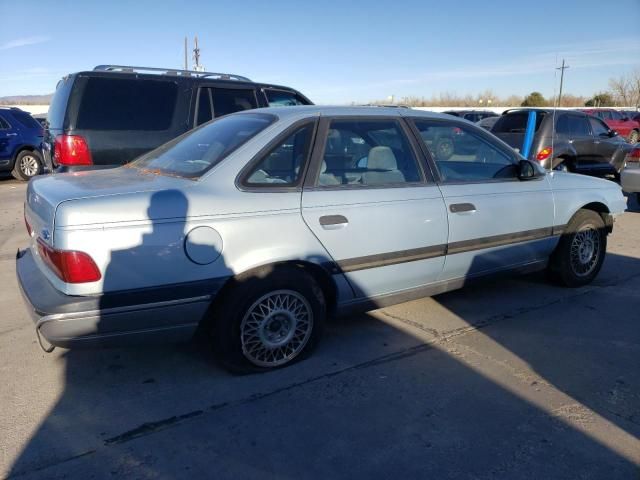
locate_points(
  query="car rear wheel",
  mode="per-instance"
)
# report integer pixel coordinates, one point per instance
(267, 319)
(634, 136)
(28, 165)
(581, 250)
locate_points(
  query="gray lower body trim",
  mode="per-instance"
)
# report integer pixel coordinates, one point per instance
(436, 288)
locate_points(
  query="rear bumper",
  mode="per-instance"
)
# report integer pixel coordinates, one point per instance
(170, 313)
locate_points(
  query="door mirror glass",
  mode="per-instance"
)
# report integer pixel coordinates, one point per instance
(613, 133)
(526, 170)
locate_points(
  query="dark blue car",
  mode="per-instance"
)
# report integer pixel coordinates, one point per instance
(20, 143)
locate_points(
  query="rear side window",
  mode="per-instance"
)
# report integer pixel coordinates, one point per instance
(282, 166)
(26, 120)
(124, 104)
(230, 100)
(367, 153)
(282, 98)
(58, 106)
(3, 124)
(195, 152)
(516, 122)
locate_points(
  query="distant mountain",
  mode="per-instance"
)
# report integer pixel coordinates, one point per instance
(26, 99)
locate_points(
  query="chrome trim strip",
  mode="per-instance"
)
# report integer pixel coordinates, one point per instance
(391, 258)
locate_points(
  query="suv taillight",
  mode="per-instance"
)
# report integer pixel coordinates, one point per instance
(70, 266)
(544, 153)
(71, 150)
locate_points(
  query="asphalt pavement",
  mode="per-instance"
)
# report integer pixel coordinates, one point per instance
(511, 378)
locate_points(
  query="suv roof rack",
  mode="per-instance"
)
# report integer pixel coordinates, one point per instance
(170, 71)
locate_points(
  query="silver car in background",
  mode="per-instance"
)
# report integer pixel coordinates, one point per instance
(258, 225)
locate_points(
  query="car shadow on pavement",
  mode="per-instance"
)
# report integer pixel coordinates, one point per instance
(511, 392)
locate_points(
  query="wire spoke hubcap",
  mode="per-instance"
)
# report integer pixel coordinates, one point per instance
(29, 165)
(585, 251)
(276, 328)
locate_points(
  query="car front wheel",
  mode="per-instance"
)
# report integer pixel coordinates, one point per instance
(581, 250)
(268, 319)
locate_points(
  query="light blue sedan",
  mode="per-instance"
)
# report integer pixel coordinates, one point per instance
(257, 226)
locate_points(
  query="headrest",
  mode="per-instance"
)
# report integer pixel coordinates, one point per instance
(382, 158)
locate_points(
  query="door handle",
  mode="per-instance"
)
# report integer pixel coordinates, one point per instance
(333, 222)
(462, 207)
(12, 134)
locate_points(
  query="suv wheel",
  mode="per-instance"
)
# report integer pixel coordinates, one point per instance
(268, 319)
(28, 165)
(634, 136)
(580, 253)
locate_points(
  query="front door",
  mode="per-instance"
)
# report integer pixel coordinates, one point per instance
(371, 203)
(495, 220)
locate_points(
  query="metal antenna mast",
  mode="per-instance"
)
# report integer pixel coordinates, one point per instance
(186, 66)
(562, 69)
(196, 56)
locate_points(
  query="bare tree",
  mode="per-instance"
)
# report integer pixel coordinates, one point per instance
(626, 89)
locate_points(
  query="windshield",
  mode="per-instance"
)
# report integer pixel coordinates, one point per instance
(194, 153)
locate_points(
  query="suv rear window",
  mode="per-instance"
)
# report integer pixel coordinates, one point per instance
(123, 104)
(197, 151)
(516, 122)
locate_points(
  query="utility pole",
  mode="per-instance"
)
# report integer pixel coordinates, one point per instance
(186, 65)
(562, 69)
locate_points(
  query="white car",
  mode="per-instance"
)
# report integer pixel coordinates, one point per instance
(258, 225)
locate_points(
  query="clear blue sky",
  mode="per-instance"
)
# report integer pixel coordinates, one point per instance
(333, 51)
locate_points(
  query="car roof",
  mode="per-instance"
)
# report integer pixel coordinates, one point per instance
(345, 111)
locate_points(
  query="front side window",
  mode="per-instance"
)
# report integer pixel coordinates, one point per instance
(197, 151)
(367, 153)
(462, 155)
(599, 128)
(283, 165)
(126, 104)
(282, 98)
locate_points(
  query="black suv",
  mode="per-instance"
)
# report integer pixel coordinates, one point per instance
(20, 143)
(565, 140)
(109, 116)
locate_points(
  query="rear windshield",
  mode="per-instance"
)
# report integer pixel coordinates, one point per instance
(58, 106)
(127, 104)
(516, 122)
(195, 152)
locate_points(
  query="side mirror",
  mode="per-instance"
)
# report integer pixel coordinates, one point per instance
(625, 119)
(613, 133)
(526, 170)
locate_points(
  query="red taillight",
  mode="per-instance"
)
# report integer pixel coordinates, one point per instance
(70, 266)
(71, 150)
(544, 153)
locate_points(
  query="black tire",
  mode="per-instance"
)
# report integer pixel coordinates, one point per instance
(240, 344)
(580, 253)
(634, 136)
(28, 164)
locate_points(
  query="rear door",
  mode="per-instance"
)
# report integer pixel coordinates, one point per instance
(495, 220)
(371, 203)
(9, 139)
